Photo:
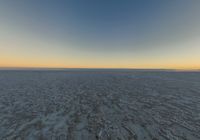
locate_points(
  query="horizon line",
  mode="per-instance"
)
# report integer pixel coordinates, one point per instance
(94, 68)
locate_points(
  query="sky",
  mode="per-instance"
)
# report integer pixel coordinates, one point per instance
(158, 34)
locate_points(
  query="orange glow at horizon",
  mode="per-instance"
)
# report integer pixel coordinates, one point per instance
(6, 62)
(50, 35)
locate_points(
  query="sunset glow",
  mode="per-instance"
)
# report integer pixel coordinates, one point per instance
(93, 34)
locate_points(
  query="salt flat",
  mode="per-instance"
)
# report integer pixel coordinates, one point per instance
(99, 105)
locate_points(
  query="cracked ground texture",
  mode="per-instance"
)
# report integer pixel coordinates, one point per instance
(99, 105)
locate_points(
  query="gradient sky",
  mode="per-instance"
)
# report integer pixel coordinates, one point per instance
(100, 33)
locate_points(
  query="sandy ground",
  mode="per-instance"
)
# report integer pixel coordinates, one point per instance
(99, 105)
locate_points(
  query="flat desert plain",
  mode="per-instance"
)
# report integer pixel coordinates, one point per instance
(99, 105)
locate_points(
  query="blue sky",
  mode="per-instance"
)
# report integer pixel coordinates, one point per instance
(100, 33)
